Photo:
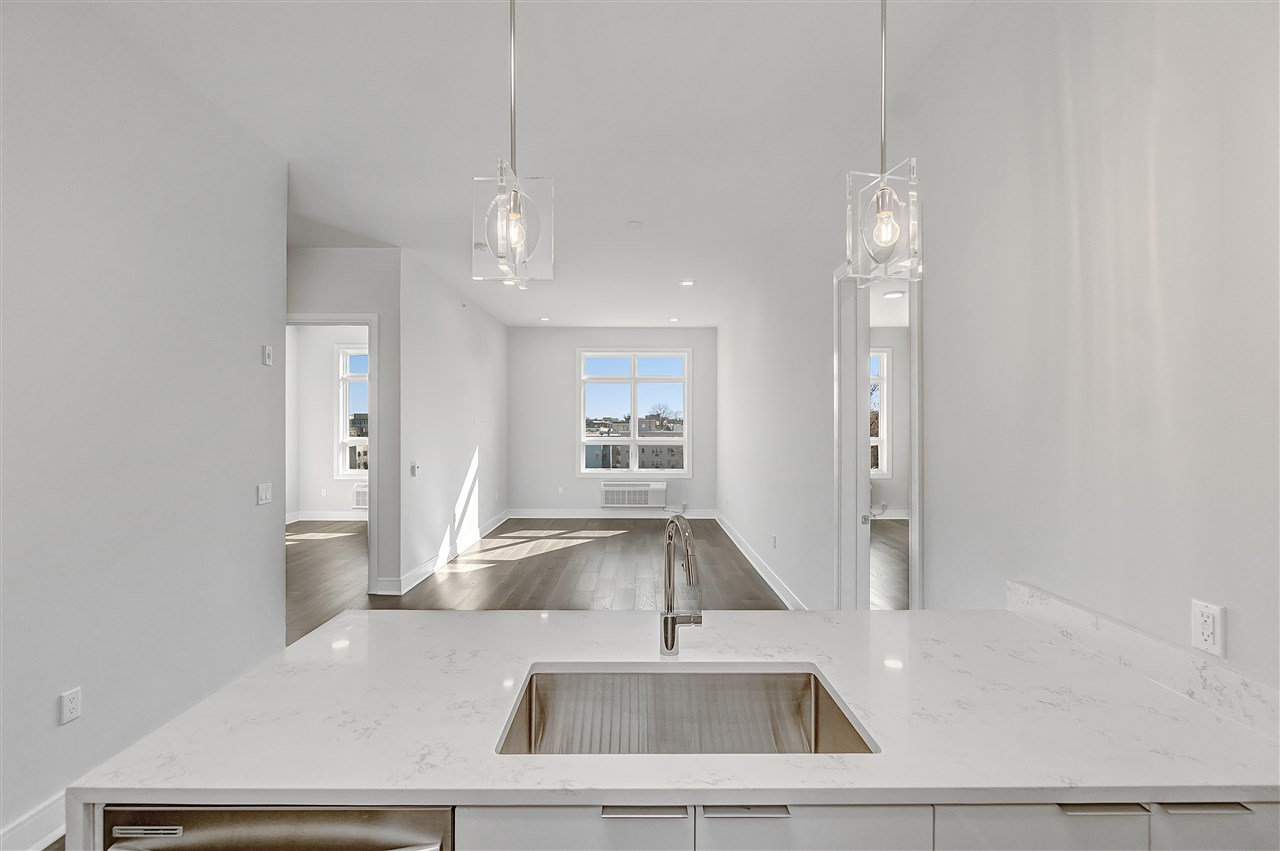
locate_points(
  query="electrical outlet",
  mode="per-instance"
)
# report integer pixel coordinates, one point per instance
(560, 490)
(69, 706)
(267, 357)
(264, 493)
(324, 491)
(1209, 627)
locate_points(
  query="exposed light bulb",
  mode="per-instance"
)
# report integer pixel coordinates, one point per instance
(515, 230)
(886, 230)
(512, 226)
(880, 231)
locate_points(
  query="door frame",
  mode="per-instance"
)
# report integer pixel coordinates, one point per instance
(370, 321)
(852, 585)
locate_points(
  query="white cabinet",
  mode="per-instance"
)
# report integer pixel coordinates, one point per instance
(1036, 827)
(815, 828)
(575, 828)
(1226, 827)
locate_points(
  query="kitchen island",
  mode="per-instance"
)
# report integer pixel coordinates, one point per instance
(969, 711)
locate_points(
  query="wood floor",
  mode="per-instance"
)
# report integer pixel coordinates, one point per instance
(889, 577)
(523, 564)
(326, 572)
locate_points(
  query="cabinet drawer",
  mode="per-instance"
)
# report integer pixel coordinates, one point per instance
(1226, 827)
(815, 828)
(577, 828)
(1049, 827)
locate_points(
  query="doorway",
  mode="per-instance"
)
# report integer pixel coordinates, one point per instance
(878, 470)
(331, 473)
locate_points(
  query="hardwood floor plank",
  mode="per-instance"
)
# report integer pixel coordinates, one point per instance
(889, 568)
(526, 563)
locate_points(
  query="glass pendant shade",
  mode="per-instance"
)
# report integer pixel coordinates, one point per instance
(511, 239)
(883, 222)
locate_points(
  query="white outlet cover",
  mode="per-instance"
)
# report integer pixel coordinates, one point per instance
(1209, 627)
(69, 707)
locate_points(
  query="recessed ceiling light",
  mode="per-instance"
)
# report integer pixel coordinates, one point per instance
(341, 643)
(544, 318)
(895, 294)
(893, 664)
(509, 283)
(687, 283)
(635, 224)
(673, 319)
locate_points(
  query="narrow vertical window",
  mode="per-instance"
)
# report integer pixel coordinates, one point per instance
(880, 457)
(353, 412)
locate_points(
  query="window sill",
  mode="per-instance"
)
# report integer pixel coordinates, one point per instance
(355, 477)
(637, 475)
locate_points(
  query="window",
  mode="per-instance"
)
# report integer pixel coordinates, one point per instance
(353, 413)
(880, 414)
(634, 413)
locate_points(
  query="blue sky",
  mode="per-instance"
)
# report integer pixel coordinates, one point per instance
(614, 400)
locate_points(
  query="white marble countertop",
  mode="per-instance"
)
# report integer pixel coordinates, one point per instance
(408, 708)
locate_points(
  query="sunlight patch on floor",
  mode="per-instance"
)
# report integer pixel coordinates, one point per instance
(459, 566)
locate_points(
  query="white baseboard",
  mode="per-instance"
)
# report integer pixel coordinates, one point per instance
(657, 512)
(779, 587)
(892, 514)
(351, 514)
(38, 828)
(292, 517)
(397, 587)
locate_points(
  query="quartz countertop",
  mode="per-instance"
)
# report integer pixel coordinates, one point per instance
(391, 707)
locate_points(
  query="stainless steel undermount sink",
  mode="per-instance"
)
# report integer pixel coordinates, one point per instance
(681, 711)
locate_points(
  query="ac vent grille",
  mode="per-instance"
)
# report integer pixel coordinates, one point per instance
(633, 494)
(360, 495)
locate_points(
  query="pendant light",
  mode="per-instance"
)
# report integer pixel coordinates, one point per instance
(883, 240)
(511, 219)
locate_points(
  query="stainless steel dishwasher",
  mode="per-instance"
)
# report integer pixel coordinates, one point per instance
(156, 828)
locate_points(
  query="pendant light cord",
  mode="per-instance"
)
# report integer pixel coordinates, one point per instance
(883, 161)
(513, 90)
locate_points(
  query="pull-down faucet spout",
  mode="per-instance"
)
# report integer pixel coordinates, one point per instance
(672, 619)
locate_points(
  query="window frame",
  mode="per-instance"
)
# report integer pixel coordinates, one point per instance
(345, 441)
(885, 455)
(635, 441)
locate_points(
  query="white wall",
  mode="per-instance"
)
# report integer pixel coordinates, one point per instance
(1124, 320)
(775, 474)
(454, 408)
(316, 428)
(143, 268)
(894, 491)
(543, 414)
(364, 280)
(290, 422)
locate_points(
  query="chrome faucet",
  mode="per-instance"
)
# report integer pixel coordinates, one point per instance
(671, 619)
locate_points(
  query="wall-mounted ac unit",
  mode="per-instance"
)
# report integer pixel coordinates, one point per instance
(633, 494)
(360, 495)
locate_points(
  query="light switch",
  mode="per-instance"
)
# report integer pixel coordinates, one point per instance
(264, 493)
(267, 357)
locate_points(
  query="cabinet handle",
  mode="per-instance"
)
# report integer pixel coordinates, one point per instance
(1208, 809)
(1104, 809)
(644, 812)
(753, 811)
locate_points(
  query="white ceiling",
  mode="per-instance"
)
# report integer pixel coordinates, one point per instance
(726, 127)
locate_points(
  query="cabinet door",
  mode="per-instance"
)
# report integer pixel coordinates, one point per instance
(1036, 827)
(573, 829)
(1226, 827)
(815, 828)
